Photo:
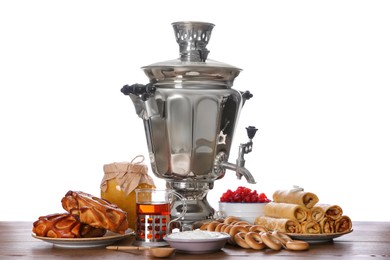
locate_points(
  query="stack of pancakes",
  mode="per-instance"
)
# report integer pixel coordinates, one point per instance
(297, 211)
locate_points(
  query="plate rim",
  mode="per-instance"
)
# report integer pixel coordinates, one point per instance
(225, 236)
(111, 236)
(320, 236)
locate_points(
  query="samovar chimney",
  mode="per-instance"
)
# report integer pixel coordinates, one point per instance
(193, 38)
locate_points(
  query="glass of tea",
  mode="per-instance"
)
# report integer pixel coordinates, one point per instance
(153, 209)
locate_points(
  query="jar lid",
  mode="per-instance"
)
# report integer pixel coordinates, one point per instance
(128, 175)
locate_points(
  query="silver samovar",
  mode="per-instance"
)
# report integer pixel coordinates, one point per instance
(190, 113)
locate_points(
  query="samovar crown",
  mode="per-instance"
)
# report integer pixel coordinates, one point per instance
(193, 38)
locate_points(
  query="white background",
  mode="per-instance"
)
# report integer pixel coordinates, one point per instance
(319, 72)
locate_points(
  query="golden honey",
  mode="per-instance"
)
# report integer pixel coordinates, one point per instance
(116, 195)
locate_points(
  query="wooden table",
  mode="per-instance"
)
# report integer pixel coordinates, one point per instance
(368, 240)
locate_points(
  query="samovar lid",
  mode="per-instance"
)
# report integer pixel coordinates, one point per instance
(192, 66)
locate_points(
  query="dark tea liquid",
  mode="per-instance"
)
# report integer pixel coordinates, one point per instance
(152, 221)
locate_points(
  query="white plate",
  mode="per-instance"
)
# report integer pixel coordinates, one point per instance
(315, 238)
(198, 245)
(108, 239)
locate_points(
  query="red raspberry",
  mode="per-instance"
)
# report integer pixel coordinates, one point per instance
(243, 194)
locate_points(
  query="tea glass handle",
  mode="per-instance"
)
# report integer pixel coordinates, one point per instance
(219, 214)
(183, 211)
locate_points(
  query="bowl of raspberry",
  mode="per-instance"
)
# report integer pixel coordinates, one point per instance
(243, 203)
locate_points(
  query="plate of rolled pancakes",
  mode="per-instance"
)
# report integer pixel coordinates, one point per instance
(299, 214)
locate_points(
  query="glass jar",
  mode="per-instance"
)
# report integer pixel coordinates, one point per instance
(120, 182)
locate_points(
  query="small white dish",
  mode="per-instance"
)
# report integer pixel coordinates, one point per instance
(197, 241)
(245, 211)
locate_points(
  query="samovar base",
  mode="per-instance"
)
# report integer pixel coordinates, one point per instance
(198, 208)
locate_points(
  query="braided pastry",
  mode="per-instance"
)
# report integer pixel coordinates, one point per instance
(95, 211)
(64, 225)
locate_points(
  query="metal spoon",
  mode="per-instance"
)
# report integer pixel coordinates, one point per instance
(160, 252)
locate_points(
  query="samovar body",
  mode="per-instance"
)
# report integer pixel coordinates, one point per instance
(190, 113)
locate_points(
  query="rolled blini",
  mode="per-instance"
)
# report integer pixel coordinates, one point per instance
(310, 227)
(295, 196)
(286, 210)
(331, 211)
(279, 224)
(327, 225)
(343, 224)
(316, 214)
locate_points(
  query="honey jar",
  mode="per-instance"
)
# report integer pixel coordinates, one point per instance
(120, 181)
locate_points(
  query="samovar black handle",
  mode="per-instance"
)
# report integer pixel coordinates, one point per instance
(139, 90)
(247, 95)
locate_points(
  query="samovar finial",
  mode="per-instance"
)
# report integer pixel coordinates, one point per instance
(193, 38)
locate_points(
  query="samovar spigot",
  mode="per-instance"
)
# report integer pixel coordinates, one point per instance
(244, 148)
(247, 147)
